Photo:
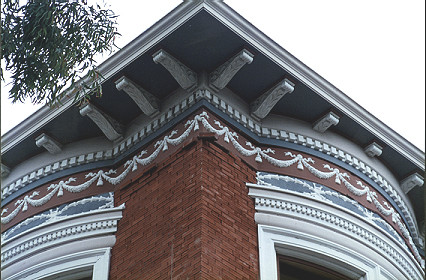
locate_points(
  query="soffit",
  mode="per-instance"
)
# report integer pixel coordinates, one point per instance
(203, 42)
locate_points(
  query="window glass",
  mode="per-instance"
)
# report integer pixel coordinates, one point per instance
(295, 269)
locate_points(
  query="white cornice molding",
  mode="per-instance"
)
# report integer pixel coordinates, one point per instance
(273, 207)
(272, 196)
(325, 172)
(73, 229)
(303, 140)
(303, 244)
(235, 22)
(108, 68)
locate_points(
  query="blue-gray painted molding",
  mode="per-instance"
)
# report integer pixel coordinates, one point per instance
(244, 130)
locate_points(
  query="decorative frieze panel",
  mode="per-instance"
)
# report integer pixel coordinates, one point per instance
(68, 229)
(324, 194)
(83, 206)
(273, 207)
(261, 157)
(241, 118)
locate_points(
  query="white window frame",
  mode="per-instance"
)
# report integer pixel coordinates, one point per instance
(274, 241)
(82, 249)
(303, 227)
(94, 263)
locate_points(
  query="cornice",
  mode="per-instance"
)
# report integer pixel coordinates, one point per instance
(268, 198)
(171, 115)
(277, 158)
(73, 228)
(111, 66)
(319, 85)
(269, 203)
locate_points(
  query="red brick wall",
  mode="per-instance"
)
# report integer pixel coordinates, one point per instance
(190, 218)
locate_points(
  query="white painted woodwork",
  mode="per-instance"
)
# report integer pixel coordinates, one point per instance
(412, 181)
(262, 106)
(50, 144)
(220, 78)
(185, 77)
(373, 150)
(109, 126)
(147, 102)
(324, 233)
(5, 171)
(326, 122)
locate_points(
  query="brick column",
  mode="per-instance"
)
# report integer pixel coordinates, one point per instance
(188, 218)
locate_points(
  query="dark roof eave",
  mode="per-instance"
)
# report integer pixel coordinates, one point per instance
(259, 40)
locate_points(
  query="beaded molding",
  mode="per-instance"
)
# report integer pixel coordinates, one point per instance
(246, 121)
(131, 165)
(65, 233)
(288, 207)
(317, 192)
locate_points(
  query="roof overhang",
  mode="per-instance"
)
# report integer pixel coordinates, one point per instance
(203, 35)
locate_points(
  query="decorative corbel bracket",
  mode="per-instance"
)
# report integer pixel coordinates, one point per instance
(109, 126)
(326, 122)
(147, 102)
(50, 144)
(185, 77)
(220, 78)
(5, 171)
(262, 106)
(373, 150)
(411, 181)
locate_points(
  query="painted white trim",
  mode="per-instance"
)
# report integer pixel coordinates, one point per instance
(70, 235)
(315, 223)
(275, 241)
(248, 150)
(94, 263)
(245, 120)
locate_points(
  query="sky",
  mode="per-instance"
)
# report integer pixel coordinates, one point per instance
(373, 51)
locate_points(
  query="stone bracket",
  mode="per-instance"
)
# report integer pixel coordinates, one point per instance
(262, 106)
(412, 181)
(147, 102)
(326, 122)
(185, 77)
(109, 126)
(50, 144)
(220, 78)
(373, 150)
(5, 171)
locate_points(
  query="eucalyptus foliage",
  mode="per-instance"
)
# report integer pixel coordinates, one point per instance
(48, 45)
